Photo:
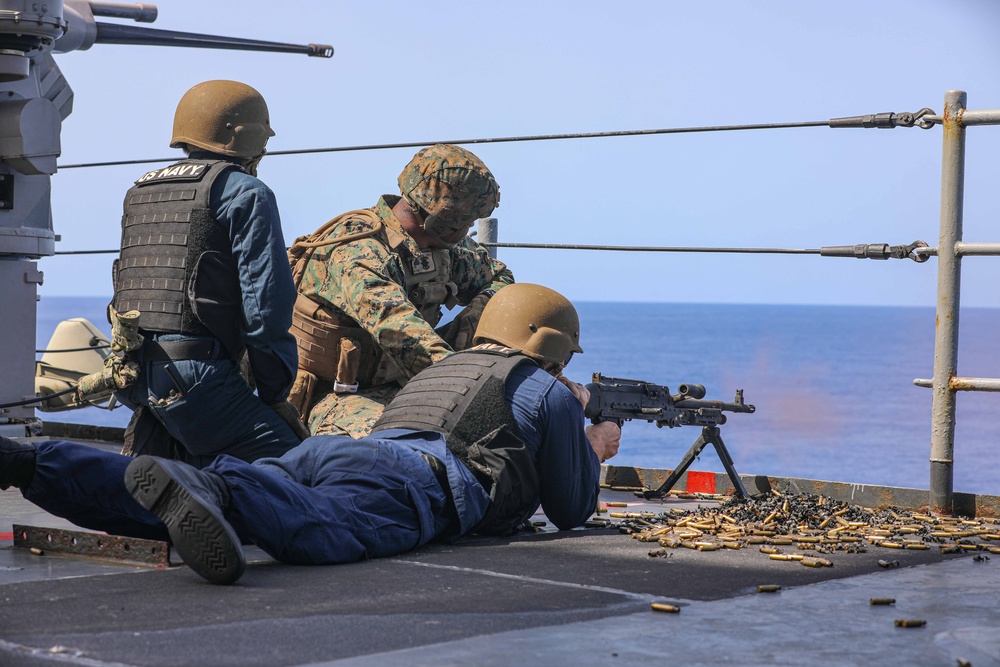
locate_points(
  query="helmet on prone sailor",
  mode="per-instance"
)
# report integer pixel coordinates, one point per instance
(448, 187)
(537, 320)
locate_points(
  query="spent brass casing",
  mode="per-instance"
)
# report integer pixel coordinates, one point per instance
(667, 608)
(768, 588)
(910, 623)
(882, 601)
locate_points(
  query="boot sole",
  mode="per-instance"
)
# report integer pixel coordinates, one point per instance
(199, 533)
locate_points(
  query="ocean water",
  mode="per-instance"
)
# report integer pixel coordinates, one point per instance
(833, 385)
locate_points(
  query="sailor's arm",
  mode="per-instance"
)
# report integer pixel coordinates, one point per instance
(266, 284)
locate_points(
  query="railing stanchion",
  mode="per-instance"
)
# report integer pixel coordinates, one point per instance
(487, 233)
(948, 297)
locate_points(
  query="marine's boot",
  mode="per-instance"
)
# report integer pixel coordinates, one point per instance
(190, 502)
(17, 463)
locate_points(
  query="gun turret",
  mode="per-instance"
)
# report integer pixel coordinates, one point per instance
(83, 31)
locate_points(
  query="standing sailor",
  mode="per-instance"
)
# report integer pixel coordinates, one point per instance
(203, 263)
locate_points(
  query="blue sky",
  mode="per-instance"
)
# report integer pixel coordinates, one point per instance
(449, 70)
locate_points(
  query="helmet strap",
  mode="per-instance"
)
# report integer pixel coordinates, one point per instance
(250, 165)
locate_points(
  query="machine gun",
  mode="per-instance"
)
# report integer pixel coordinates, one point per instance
(620, 400)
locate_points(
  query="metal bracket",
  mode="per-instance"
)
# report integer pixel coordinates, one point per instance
(6, 192)
(97, 546)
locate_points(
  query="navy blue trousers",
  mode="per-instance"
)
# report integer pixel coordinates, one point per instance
(208, 408)
(329, 500)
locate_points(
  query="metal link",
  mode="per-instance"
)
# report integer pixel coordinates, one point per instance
(876, 251)
(888, 120)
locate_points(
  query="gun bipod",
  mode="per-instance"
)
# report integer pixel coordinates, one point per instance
(710, 435)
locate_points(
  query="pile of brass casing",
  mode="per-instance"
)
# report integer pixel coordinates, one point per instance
(809, 524)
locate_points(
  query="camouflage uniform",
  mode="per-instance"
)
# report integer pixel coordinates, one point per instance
(362, 280)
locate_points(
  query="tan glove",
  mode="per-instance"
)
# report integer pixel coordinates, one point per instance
(290, 414)
(460, 331)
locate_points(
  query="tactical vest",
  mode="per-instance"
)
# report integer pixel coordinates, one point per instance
(462, 396)
(334, 347)
(176, 265)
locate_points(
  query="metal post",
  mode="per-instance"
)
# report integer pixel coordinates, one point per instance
(948, 297)
(487, 233)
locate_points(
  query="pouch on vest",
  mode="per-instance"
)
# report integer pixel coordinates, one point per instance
(301, 394)
(330, 350)
(503, 465)
(216, 299)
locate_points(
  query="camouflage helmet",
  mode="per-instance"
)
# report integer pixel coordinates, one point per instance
(224, 117)
(451, 186)
(537, 320)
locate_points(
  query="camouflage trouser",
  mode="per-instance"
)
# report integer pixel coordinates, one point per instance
(350, 414)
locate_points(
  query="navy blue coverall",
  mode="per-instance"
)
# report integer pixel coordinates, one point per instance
(333, 499)
(217, 412)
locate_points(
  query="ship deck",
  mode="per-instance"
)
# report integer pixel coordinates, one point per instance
(579, 597)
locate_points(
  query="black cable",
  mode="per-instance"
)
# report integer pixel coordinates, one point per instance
(491, 140)
(561, 246)
(39, 399)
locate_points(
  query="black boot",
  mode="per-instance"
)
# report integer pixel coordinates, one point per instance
(17, 463)
(190, 502)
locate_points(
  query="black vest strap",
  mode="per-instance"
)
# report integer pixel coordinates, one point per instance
(463, 397)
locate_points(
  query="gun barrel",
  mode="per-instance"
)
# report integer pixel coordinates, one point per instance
(111, 33)
(143, 12)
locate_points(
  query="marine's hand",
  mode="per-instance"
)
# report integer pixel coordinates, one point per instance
(290, 414)
(460, 332)
(604, 439)
(581, 392)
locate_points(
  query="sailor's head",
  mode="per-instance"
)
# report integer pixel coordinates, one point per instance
(537, 320)
(223, 117)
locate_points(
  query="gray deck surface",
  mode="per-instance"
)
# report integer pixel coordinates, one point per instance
(571, 598)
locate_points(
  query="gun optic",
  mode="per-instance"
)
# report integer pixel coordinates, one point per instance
(691, 390)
